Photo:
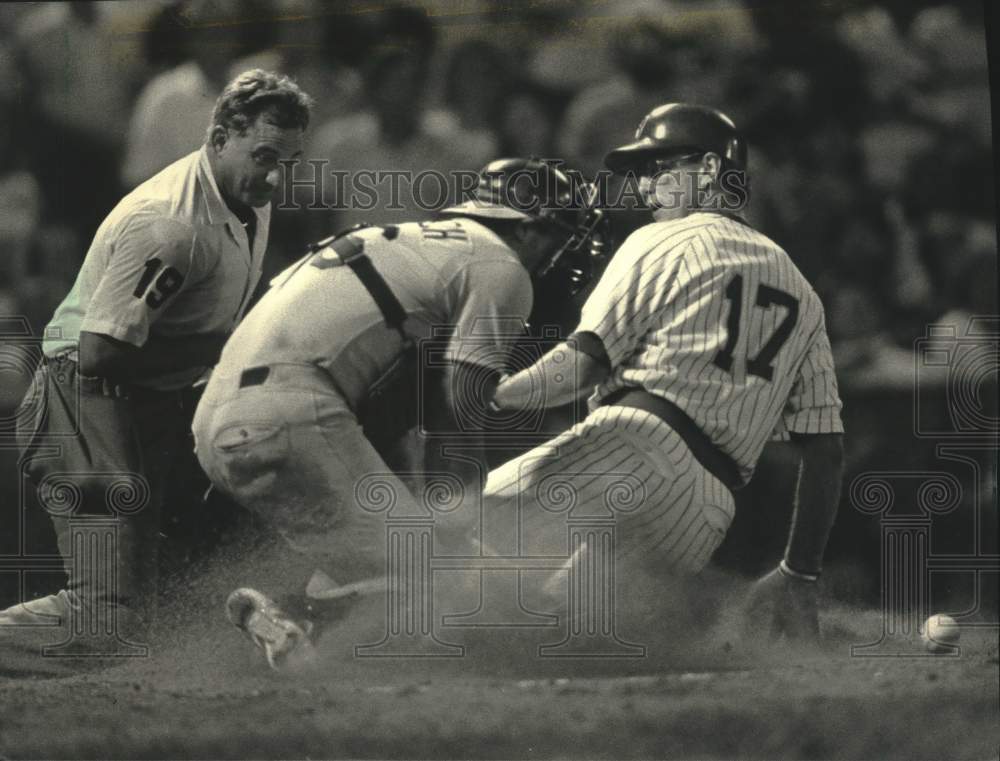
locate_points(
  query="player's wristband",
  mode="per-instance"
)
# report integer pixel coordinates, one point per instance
(784, 570)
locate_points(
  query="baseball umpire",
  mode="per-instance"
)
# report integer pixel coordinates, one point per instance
(319, 377)
(701, 342)
(167, 277)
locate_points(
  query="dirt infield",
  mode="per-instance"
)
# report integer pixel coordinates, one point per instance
(697, 693)
(828, 708)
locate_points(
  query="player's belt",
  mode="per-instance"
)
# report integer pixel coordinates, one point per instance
(300, 375)
(710, 457)
(65, 367)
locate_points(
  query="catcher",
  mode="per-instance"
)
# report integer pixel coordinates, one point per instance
(319, 379)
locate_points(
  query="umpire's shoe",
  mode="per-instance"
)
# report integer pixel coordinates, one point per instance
(52, 610)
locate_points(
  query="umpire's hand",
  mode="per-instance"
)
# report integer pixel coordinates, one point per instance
(782, 603)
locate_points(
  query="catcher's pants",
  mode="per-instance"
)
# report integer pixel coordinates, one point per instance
(619, 467)
(288, 447)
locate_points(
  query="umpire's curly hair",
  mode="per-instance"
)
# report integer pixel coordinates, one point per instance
(255, 92)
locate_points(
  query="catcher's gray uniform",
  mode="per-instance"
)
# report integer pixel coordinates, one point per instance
(276, 427)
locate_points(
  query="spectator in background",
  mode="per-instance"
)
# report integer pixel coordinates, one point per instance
(661, 50)
(477, 86)
(83, 65)
(594, 119)
(311, 45)
(955, 223)
(320, 48)
(82, 68)
(34, 270)
(802, 98)
(951, 40)
(598, 116)
(393, 132)
(530, 120)
(162, 41)
(892, 67)
(20, 194)
(171, 111)
(563, 49)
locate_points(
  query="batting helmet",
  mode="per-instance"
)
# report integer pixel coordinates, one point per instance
(674, 129)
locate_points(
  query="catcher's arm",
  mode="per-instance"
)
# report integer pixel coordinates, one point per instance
(785, 600)
(457, 409)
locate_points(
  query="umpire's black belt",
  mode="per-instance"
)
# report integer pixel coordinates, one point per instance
(709, 456)
(64, 366)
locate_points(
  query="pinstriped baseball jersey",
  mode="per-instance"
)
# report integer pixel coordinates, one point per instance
(714, 316)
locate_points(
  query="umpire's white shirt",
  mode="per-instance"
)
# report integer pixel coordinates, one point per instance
(170, 259)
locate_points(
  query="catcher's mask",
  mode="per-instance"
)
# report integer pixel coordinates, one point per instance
(542, 192)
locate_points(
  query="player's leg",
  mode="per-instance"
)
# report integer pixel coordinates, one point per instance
(606, 467)
(299, 459)
(41, 411)
(162, 436)
(621, 464)
(686, 511)
(535, 505)
(101, 479)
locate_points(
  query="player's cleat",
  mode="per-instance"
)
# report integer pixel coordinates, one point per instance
(269, 627)
(51, 610)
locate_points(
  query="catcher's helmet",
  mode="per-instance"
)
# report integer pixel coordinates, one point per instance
(521, 188)
(538, 191)
(674, 129)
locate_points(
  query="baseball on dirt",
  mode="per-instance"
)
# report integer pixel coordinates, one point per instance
(940, 634)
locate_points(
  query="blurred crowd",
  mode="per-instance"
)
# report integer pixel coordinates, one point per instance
(868, 122)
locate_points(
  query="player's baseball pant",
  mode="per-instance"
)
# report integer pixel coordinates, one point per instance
(291, 450)
(619, 466)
